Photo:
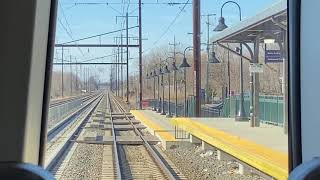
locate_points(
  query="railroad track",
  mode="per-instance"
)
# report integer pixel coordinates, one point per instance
(60, 144)
(61, 125)
(77, 154)
(56, 103)
(137, 161)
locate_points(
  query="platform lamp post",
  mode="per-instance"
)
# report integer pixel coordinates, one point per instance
(184, 65)
(148, 77)
(152, 75)
(174, 68)
(162, 72)
(158, 74)
(241, 114)
(212, 59)
(165, 70)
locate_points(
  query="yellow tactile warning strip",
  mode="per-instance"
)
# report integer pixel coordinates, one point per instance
(267, 160)
(152, 125)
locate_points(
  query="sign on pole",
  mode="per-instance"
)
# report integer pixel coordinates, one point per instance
(273, 56)
(256, 68)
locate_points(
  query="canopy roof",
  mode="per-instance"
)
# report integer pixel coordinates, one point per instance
(261, 24)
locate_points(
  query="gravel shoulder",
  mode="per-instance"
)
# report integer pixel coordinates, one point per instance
(195, 163)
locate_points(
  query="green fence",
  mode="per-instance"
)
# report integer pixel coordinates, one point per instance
(191, 102)
(271, 108)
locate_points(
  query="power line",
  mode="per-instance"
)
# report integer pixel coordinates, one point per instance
(98, 35)
(88, 60)
(114, 3)
(68, 33)
(171, 24)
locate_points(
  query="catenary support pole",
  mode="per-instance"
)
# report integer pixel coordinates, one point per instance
(197, 54)
(140, 56)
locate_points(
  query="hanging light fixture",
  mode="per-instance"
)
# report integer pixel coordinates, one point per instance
(213, 59)
(166, 70)
(221, 26)
(184, 63)
(174, 67)
(268, 39)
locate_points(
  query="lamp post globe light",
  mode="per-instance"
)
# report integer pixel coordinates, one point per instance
(166, 71)
(152, 75)
(157, 74)
(184, 65)
(241, 114)
(173, 68)
(212, 59)
(162, 72)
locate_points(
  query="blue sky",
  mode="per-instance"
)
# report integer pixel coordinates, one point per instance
(82, 20)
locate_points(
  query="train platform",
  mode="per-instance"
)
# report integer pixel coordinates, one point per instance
(158, 125)
(265, 148)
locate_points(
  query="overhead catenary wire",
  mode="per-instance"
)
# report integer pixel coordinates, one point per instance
(170, 25)
(69, 32)
(98, 35)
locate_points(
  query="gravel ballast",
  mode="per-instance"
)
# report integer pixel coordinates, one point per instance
(85, 163)
(196, 163)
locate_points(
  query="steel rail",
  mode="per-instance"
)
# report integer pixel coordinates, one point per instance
(53, 131)
(149, 148)
(60, 152)
(64, 101)
(115, 148)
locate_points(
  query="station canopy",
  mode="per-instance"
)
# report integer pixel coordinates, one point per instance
(270, 22)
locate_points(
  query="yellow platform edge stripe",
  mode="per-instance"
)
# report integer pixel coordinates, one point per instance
(262, 158)
(152, 125)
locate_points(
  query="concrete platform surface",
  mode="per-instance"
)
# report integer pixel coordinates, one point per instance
(267, 135)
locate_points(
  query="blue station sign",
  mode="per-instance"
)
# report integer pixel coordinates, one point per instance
(273, 56)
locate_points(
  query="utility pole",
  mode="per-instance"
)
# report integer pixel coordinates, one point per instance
(111, 72)
(208, 52)
(127, 42)
(127, 48)
(70, 76)
(140, 56)
(77, 85)
(81, 76)
(62, 75)
(197, 54)
(86, 79)
(117, 70)
(89, 87)
(121, 66)
(175, 74)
